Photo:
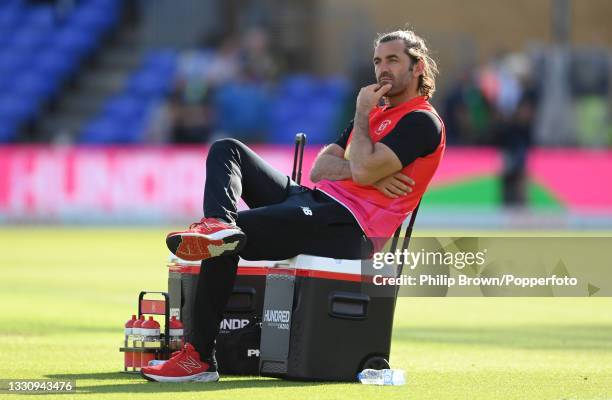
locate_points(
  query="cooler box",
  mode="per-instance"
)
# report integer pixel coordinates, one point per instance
(320, 324)
(237, 346)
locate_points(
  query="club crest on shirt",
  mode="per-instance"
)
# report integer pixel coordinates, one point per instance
(383, 125)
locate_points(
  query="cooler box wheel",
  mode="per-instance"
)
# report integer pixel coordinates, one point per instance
(375, 362)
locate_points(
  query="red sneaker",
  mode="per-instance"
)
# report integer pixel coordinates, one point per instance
(184, 366)
(205, 239)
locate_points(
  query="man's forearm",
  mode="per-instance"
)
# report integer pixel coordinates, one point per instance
(369, 162)
(361, 148)
(330, 167)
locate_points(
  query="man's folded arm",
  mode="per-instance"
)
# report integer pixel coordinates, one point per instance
(416, 135)
(370, 162)
(330, 164)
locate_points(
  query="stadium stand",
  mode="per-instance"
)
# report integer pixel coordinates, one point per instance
(40, 49)
(124, 116)
(308, 104)
(249, 110)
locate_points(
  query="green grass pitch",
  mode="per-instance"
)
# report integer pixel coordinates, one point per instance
(66, 292)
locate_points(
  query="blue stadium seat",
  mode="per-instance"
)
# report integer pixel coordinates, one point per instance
(323, 111)
(34, 84)
(93, 19)
(149, 83)
(17, 108)
(123, 107)
(335, 88)
(110, 130)
(5, 83)
(8, 131)
(5, 37)
(284, 111)
(242, 109)
(134, 130)
(124, 116)
(56, 64)
(40, 18)
(75, 40)
(160, 59)
(108, 6)
(299, 87)
(12, 61)
(38, 52)
(11, 15)
(310, 105)
(29, 39)
(101, 131)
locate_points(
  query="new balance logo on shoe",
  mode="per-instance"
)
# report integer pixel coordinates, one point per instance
(184, 366)
(217, 250)
(189, 364)
(307, 211)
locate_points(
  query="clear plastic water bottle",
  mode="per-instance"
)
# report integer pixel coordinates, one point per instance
(128, 357)
(176, 333)
(392, 377)
(149, 330)
(137, 341)
(128, 329)
(136, 328)
(151, 339)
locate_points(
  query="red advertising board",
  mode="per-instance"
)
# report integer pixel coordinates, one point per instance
(166, 184)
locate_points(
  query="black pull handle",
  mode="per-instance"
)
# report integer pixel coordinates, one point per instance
(349, 305)
(241, 299)
(300, 142)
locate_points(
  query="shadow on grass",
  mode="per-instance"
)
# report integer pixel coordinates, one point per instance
(100, 376)
(46, 329)
(139, 385)
(535, 337)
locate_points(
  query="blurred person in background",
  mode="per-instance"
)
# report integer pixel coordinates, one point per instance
(467, 112)
(514, 137)
(216, 89)
(256, 58)
(496, 104)
(190, 110)
(365, 190)
(514, 105)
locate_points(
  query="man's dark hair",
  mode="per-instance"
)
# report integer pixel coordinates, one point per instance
(415, 48)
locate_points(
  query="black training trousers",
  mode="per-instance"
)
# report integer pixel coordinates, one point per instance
(284, 220)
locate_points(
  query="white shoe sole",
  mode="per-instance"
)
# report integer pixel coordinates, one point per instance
(222, 234)
(192, 246)
(201, 377)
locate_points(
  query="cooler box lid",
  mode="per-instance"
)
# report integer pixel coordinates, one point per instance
(245, 267)
(303, 265)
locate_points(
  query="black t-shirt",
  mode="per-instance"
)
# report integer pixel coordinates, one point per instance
(416, 135)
